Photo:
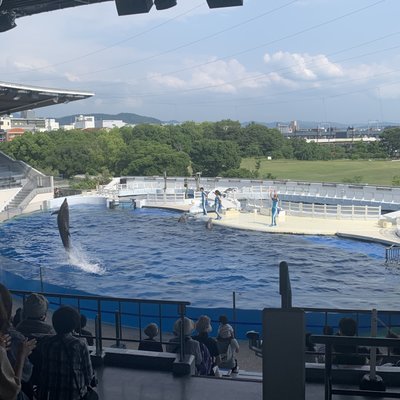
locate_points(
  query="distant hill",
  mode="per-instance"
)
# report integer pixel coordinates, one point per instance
(128, 118)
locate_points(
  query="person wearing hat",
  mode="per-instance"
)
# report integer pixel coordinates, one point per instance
(34, 316)
(150, 344)
(190, 346)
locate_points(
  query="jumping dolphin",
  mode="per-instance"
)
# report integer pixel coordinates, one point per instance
(63, 224)
(209, 224)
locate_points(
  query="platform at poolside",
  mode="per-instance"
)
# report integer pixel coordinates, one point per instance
(368, 229)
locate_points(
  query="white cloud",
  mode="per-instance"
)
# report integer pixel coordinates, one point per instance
(167, 81)
(304, 66)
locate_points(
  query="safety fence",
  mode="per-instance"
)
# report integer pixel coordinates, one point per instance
(392, 254)
(331, 211)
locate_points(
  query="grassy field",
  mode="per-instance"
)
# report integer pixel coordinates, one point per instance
(339, 171)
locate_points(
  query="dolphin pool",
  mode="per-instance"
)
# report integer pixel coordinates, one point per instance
(146, 253)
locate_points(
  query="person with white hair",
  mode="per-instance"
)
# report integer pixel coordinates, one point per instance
(190, 346)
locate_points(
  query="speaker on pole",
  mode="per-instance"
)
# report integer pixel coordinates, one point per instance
(128, 7)
(224, 3)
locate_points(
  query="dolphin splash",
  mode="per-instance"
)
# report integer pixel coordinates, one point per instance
(63, 224)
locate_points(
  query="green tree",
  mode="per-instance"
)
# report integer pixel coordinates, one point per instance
(390, 141)
(151, 158)
(214, 157)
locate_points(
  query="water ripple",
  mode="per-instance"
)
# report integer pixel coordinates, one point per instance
(147, 253)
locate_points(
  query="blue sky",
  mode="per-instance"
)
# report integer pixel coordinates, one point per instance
(276, 60)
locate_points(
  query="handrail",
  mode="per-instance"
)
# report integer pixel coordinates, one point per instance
(392, 254)
(330, 341)
(103, 309)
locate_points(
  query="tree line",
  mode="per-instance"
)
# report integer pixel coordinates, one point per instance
(214, 149)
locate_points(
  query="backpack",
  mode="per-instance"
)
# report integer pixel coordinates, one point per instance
(205, 366)
(226, 354)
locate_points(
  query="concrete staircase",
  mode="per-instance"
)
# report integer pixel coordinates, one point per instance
(20, 197)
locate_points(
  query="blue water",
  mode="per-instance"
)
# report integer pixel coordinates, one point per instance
(146, 253)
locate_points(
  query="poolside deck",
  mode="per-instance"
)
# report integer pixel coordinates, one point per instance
(368, 230)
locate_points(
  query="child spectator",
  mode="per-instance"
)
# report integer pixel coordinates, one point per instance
(149, 344)
(225, 329)
(227, 345)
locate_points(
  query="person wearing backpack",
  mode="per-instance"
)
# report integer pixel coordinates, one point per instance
(227, 345)
(203, 328)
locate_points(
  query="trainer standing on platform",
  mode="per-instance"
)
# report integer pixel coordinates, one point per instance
(218, 204)
(274, 209)
(203, 200)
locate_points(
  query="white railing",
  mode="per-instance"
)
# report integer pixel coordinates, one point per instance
(178, 198)
(331, 211)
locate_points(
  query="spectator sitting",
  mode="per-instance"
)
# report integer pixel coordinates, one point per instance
(203, 327)
(84, 332)
(393, 359)
(34, 315)
(190, 346)
(10, 376)
(349, 354)
(17, 339)
(17, 318)
(224, 328)
(149, 344)
(227, 345)
(65, 366)
(320, 348)
(310, 356)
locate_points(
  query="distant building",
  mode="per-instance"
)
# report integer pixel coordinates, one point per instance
(284, 129)
(109, 123)
(5, 123)
(51, 124)
(11, 127)
(68, 127)
(294, 126)
(13, 133)
(84, 122)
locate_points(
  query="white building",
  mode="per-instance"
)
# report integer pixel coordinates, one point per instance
(84, 122)
(51, 124)
(109, 123)
(284, 128)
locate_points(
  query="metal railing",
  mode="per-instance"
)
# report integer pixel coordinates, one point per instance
(392, 254)
(332, 211)
(332, 340)
(158, 198)
(127, 317)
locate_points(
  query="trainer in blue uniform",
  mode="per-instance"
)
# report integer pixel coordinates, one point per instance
(274, 210)
(203, 200)
(218, 204)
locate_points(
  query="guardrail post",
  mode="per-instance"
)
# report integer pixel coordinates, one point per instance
(98, 327)
(97, 332)
(181, 311)
(118, 330)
